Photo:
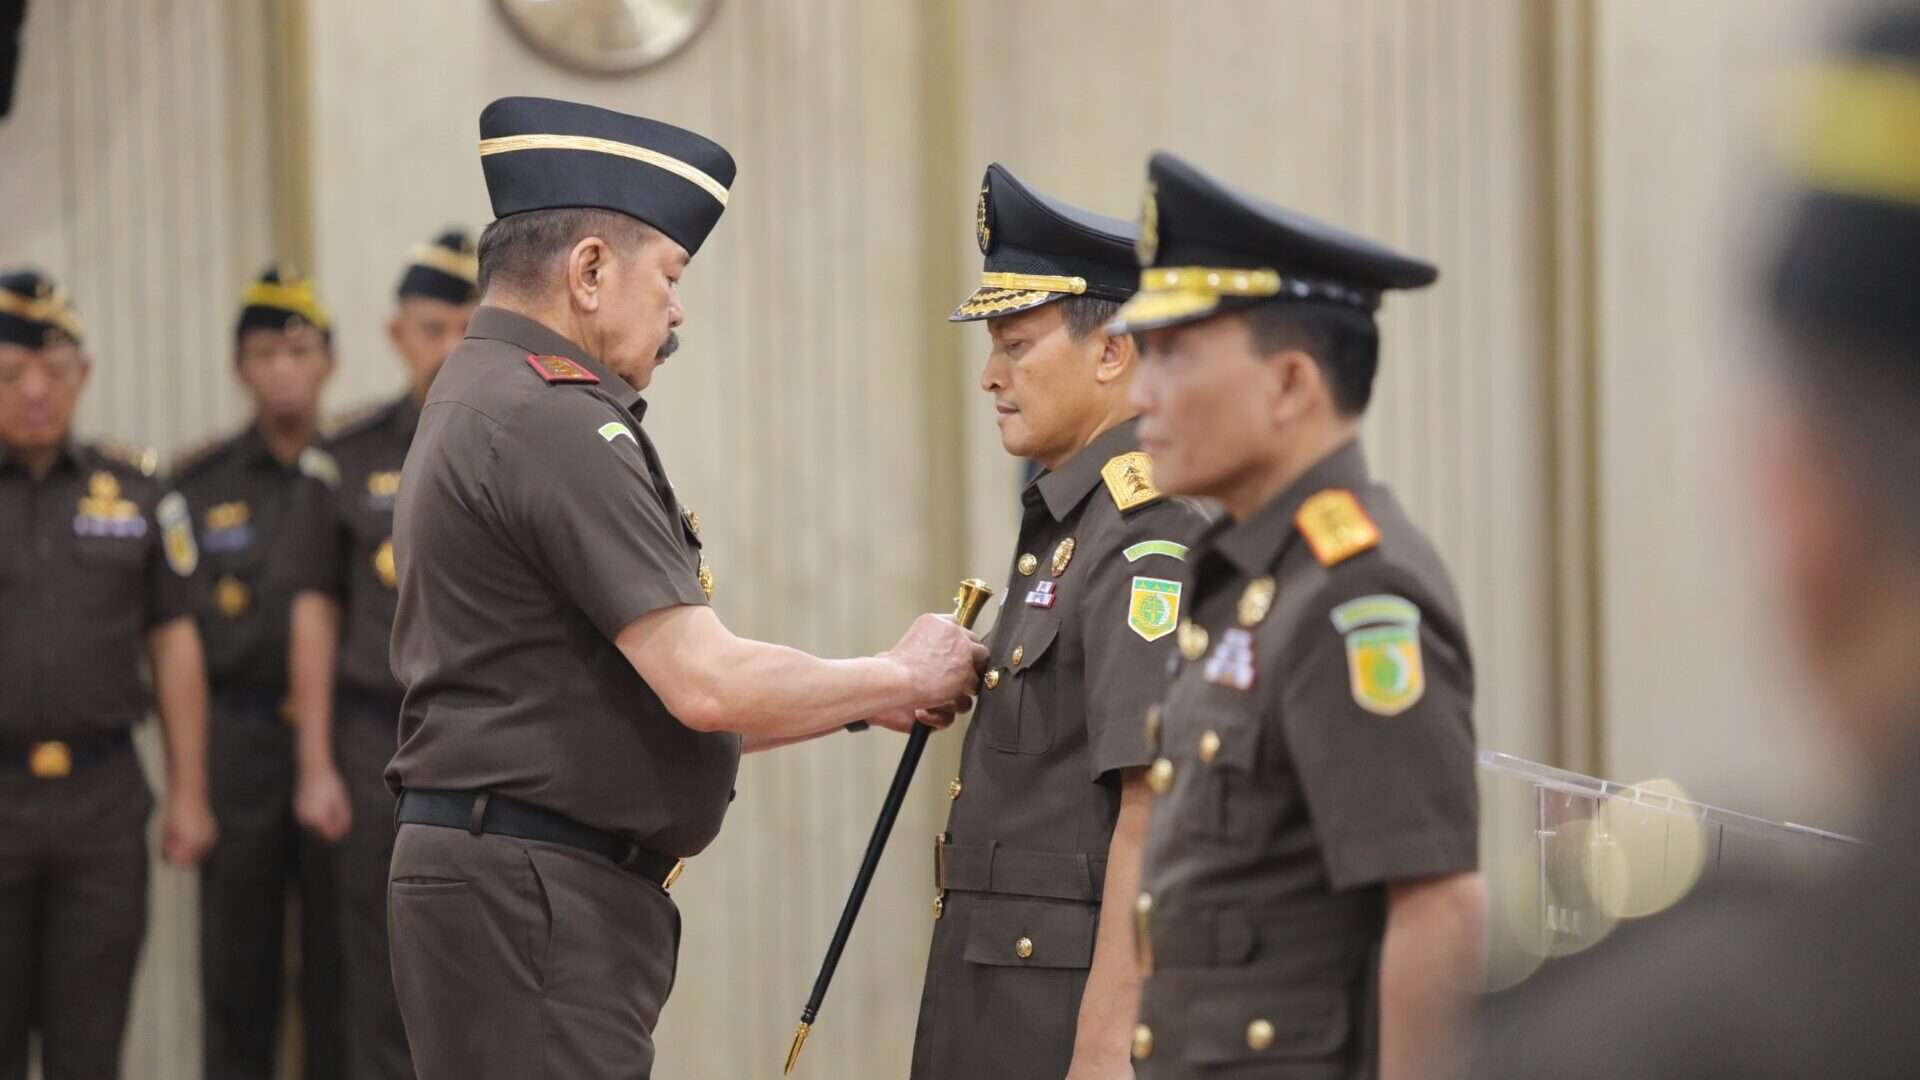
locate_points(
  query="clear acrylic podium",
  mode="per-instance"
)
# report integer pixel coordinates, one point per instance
(1567, 856)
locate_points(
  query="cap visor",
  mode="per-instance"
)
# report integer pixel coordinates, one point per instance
(1159, 309)
(988, 303)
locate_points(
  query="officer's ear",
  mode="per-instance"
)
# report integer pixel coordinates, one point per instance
(1296, 384)
(1118, 356)
(587, 261)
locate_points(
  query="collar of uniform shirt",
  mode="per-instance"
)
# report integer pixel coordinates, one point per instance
(67, 454)
(1254, 545)
(1064, 488)
(499, 324)
(252, 449)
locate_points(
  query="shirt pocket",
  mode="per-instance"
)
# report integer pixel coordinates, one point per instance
(110, 567)
(1243, 1022)
(1019, 932)
(1215, 748)
(1021, 716)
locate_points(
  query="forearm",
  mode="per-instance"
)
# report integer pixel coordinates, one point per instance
(1431, 965)
(314, 644)
(180, 692)
(1103, 1035)
(776, 696)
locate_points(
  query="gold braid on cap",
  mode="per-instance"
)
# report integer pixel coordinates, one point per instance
(51, 309)
(1034, 282)
(507, 144)
(463, 265)
(1860, 133)
(297, 297)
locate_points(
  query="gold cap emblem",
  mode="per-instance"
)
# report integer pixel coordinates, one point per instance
(982, 228)
(1148, 244)
(1256, 601)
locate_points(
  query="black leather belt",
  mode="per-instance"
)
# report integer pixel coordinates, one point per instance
(55, 759)
(484, 812)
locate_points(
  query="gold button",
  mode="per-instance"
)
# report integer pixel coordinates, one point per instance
(50, 761)
(993, 678)
(1209, 746)
(1259, 1035)
(1160, 777)
(1023, 948)
(1193, 639)
(939, 906)
(1142, 1042)
(1028, 564)
(1019, 653)
(1153, 726)
(953, 788)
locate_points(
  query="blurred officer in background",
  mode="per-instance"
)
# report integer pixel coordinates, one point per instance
(1034, 941)
(1808, 978)
(96, 561)
(1311, 903)
(343, 625)
(242, 492)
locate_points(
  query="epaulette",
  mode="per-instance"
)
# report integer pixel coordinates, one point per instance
(355, 420)
(1129, 480)
(199, 456)
(559, 369)
(143, 459)
(1336, 526)
(320, 465)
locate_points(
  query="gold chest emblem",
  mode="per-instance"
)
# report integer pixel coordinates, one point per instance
(1062, 555)
(1256, 601)
(706, 578)
(383, 564)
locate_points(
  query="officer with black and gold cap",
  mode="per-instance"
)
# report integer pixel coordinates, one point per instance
(342, 624)
(242, 492)
(96, 558)
(1310, 903)
(1036, 871)
(574, 710)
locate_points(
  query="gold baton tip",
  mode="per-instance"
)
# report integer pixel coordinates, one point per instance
(970, 600)
(799, 1040)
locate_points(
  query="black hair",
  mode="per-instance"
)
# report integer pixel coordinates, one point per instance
(1343, 342)
(516, 250)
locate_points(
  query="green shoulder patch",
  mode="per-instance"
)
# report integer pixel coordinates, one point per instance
(1172, 550)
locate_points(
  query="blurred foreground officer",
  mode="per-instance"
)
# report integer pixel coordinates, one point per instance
(1054, 767)
(348, 568)
(241, 492)
(1814, 978)
(1311, 892)
(574, 711)
(95, 562)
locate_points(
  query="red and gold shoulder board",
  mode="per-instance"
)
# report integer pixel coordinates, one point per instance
(1336, 526)
(559, 369)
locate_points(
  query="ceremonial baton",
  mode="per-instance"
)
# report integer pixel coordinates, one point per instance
(973, 596)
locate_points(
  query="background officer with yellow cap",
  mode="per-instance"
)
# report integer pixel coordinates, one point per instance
(241, 492)
(1310, 902)
(574, 710)
(344, 613)
(95, 562)
(1034, 939)
(1769, 979)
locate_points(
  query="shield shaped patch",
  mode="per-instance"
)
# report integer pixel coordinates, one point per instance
(1383, 653)
(1154, 609)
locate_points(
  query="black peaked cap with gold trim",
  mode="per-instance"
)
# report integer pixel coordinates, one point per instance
(1851, 253)
(1207, 248)
(1039, 249)
(541, 154)
(34, 312)
(281, 299)
(444, 268)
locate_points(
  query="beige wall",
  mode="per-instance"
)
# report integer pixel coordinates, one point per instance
(1554, 409)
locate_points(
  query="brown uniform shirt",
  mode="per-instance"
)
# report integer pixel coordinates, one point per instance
(91, 557)
(242, 498)
(534, 522)
(1078, 651)
(1315, 745)
(346, 533)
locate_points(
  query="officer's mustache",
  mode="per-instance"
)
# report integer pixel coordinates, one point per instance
(668, 347)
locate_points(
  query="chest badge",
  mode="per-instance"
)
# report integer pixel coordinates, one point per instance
(104, 512)
(1231, 664)
(1027, 565)
(1193, 639)
(1062, 555)
(1153, 610)
(229, 527)
(232, 597)
(383, 564)
(1383, 653)
(693, 521)
(1042, 595)
(382, 487)
(1256, 601)
(706, 578)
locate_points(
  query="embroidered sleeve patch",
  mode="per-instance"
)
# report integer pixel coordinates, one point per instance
(1154, 608)
(1383, 653)
(559, 369)
(1156, 547)
(176, 534)
(614, 429)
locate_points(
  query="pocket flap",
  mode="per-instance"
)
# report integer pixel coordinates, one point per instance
(1220, 735)
(1249, 1024)
(1052, 933)
(1033, 640)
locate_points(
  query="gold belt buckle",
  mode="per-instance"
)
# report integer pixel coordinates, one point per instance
(673, 875)
(50, 760)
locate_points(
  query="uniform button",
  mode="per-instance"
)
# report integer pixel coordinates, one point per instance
(939, 906)
(1028, 564)
(1209, 746)
(1153, 726)
(993, 678)
(1259, 1035)
(1023, 948)
(1019, 653)
(953, 788)
(1160, 777)
(1142, 1042)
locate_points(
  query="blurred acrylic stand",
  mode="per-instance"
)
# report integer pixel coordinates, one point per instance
(1568, 857)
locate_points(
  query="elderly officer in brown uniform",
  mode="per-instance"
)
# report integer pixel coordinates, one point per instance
(1034, 939)
(1310, 899)
(574, 710)
(95, 566)
(345, 611)
(241, 493)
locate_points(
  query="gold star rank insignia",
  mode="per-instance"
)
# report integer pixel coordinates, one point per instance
(1129, 480)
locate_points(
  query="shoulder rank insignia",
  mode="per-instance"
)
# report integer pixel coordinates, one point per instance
(1336, 527)
(1129, 480)
(559, 369)
(320, 465)
(1383, 652)
(176, 534)
(1154, 609)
